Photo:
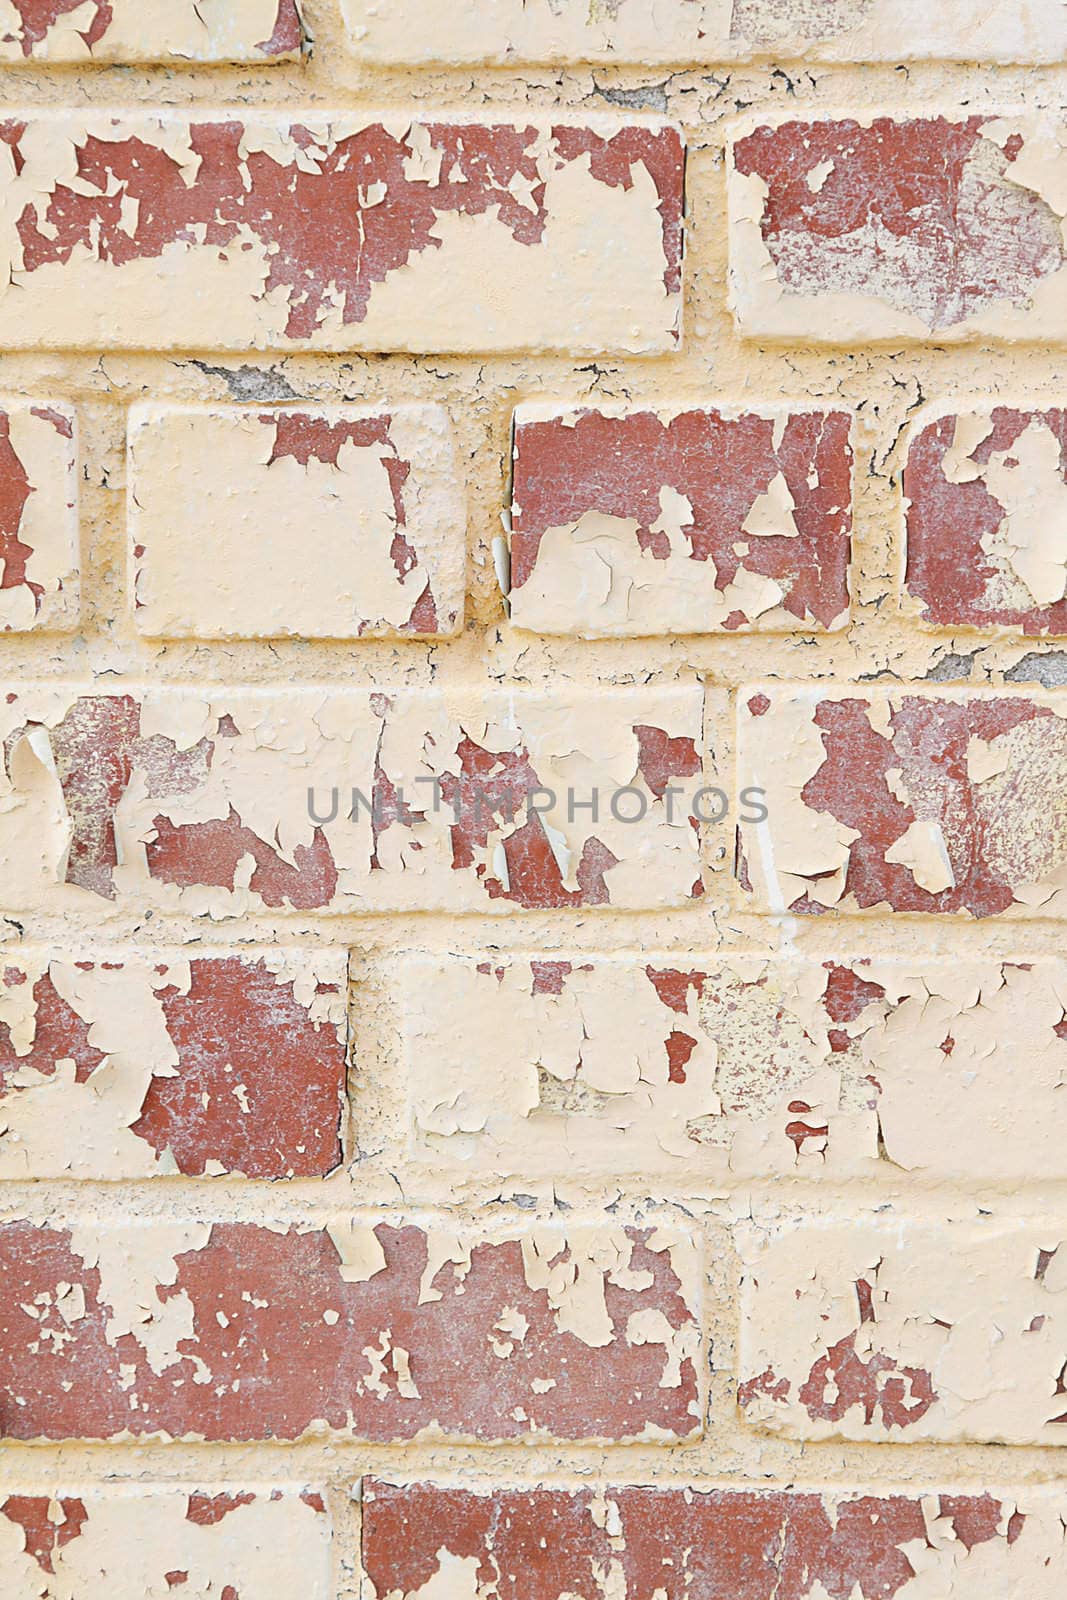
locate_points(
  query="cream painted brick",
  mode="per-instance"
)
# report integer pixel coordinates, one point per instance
(285, 231)
(889, 226)
(114, 1541)
(680, 520)
(700, 31)
(138, 1063)
(910, 799)
(736, 1066)
(904, 1330)
(316, 523)
(225, 802)
(985, 501)
(192, 31)
(38, 516)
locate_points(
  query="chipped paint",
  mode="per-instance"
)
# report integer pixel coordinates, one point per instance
(148, 30)
(177, 231)
(201, 802)
(870, 228)
(738, 1066)
(985, 497)
(904, 1330)
(134, 1064)
(627, 523)
(907, 800)
(175, 1323)
(382, 555)
(74, 1542)
(38, 516)
(424, 1539)
(684, 31)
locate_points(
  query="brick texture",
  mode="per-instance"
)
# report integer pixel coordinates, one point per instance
(38, 516)
(132, 1064)
(533, 799)
(720, 1543)
(383, 553)
(680, 522)
(950, 1331)
(986, 500)
(737, 1066)
(86, 1540)
(213, 804)
(442, 236)
(148, 30)
(680, 31)
(908, 800)
(886, 227)
(188, 1329)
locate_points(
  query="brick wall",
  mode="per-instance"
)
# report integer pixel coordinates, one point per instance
(533, 846)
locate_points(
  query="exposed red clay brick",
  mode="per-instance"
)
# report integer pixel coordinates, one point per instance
(658, 502)
(143, 1062)
(907, 801)
(75, 1543)
(575, 1334)
(986, 496)
(918, 225)
(235, 198)
(722, 1544)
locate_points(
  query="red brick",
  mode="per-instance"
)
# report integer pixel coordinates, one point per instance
(222, 801)
(38, 516)
(986, 498)
(904, 799)
(893, 1328)
(735, 1066)
(673, 521)
(548, 1543)
(131, 1063)
(877, 227)
(349, 1325)
(293, 231)
(114, 1541)
(326, 522)
(129, 30)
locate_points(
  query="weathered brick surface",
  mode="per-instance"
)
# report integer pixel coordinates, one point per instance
(315, 523)
(906, 1330)
(679, 521)
(904, 800)
(763, 1544)
(986, 505)
(74, 1541)
(200, 802)
(705, 30)
(148, 30)
(131, 1064)
(738, 1065)
(225, 1330)
(38, 516)
(173, 230)
(883, 227)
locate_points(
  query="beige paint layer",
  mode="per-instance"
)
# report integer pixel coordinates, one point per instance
(683, 31)
(233, 535)
(470, 285)
(39, 560)
(149, 30)
(850, 306)
(120, 1542)
(341, 800)
(905, 1330)
(736, 1067)
(57, 1123)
